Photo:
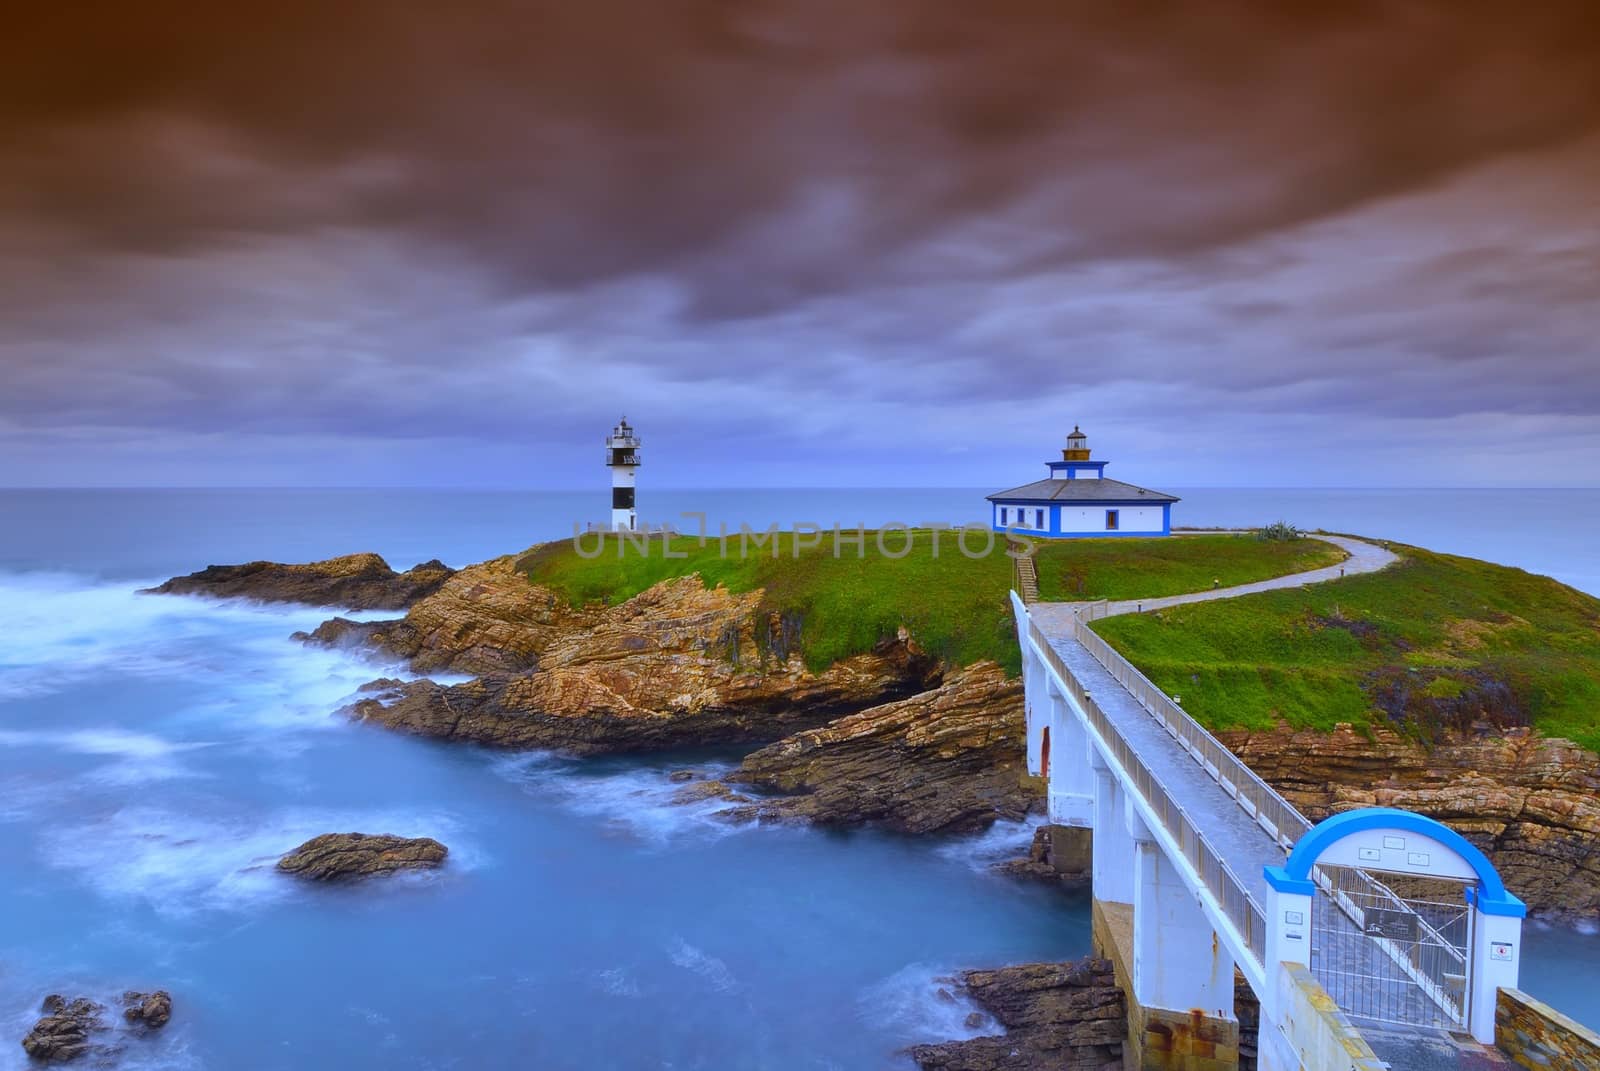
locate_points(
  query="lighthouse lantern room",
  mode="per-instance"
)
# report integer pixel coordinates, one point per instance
(622, 458)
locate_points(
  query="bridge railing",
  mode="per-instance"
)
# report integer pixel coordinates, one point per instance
(1260, 800)
(1234, 897)
(1276, 815)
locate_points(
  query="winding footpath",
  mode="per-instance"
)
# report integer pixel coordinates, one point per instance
(1364, 558)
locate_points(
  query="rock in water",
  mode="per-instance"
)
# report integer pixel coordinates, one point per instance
(1046, 861)
(350, 856)
(1060, 1016)
(150, 1010)
(63, 1033)
(356, 581)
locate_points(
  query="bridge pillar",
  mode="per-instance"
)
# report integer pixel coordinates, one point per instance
(1181, 1007)
(1072, 782)
(1070, 791)
(1113, 844)
(1036, 707)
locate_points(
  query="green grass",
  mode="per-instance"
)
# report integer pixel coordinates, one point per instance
(1103, 569)
(955, 606)
(1433, 643)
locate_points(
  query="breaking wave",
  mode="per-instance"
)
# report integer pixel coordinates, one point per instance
(642, 803)
(924, 1004)
(182, 863)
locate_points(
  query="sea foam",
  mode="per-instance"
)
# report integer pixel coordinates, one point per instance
(183, 863)
(921, 1003)
(637, 802)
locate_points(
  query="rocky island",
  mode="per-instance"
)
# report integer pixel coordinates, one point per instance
(886, 692)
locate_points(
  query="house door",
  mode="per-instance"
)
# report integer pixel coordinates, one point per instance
(1044, 754)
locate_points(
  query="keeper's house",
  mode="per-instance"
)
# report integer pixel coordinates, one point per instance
(1077, 500)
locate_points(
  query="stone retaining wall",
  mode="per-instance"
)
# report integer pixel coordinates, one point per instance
(1540, 1038)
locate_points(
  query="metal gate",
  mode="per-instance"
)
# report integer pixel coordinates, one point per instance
(1393, 948)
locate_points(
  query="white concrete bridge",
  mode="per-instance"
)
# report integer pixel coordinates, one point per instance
(1378, 938)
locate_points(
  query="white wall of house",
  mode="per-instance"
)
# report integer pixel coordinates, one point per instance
(1093, 518)
(1024, 518)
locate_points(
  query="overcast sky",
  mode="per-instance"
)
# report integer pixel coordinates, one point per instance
(819, 243)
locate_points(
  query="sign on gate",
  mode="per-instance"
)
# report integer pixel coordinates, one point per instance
(1396, 925)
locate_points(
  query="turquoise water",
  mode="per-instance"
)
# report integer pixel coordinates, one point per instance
(156, 755)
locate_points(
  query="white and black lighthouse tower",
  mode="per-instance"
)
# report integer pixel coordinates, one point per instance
(622, 458)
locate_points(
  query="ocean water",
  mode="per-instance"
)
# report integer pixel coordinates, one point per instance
(158, 754)
(143, 533)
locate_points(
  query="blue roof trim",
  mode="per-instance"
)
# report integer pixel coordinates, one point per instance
(1077, 501)
(1490, 896)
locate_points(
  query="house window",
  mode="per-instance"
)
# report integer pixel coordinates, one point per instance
(1038, 518)
(1113, 519)
(1002, 516)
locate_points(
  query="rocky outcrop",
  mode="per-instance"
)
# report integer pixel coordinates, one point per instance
(65, 1031)
(685, 665)
(1530, 802)
(356, 581)
(352, 856)
(151, 1011)
(677, 665)
(1058, 1016)
(484, 619)
(950, 759)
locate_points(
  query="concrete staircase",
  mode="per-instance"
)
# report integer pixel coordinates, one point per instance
(1027, 578)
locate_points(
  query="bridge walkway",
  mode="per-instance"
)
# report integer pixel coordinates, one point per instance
(1227, 828)
(1197, 782)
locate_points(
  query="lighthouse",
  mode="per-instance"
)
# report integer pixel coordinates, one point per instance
(622, 458)
(1078, 499)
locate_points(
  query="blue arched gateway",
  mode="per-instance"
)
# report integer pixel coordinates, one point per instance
(1400, 919)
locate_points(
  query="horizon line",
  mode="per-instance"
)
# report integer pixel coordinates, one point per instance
(597, 489)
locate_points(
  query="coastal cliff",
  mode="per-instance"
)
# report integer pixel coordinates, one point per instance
(1531, 803)
(483, 619)
(888, 732)
(950, 759)
(678, 665)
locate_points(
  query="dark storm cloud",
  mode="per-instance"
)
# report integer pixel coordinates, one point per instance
(410, 219)
(563, 143)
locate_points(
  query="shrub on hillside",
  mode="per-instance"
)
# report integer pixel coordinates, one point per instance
(1280, 532)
